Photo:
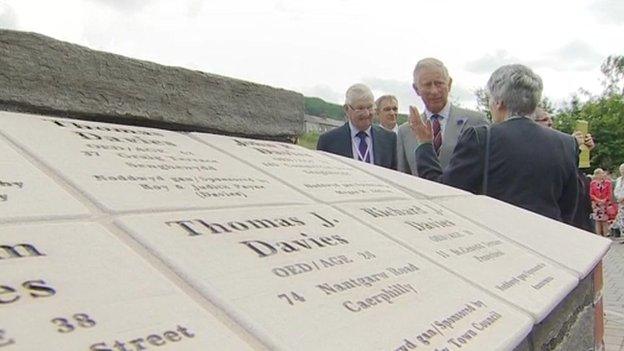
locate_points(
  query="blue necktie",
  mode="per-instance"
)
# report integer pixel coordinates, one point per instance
(363, 147)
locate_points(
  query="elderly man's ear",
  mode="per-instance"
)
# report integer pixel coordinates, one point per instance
(415, 89)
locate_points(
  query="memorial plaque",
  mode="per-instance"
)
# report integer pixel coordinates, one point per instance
(524, 279)
(27, 193)
(311, 278)
(75, 287)
(126, 168)
(573, 248)
(316, 175)
(414, 185)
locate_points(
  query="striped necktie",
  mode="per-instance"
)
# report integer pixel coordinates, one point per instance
(437, 133)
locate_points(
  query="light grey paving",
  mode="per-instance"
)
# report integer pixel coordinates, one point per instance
(312, 173)
(416, 186)
(76, 287)
(477, 254)
(125, 168)
(311, 278)
(573, 248)
(614, 296)
(27, 193)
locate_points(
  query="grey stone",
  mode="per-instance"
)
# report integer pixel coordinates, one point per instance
(524, 346)
(42, 75)
(570, 326)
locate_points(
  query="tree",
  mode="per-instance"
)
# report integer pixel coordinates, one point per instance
(613, 70)
(483, 104)
(605, 114)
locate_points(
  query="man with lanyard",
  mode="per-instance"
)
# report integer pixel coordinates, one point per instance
(358, 138)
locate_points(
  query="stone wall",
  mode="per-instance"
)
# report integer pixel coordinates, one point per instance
(315, 124)
(42, 75)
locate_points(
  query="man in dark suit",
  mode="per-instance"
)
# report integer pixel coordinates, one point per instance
(433, 84)
(528, 165)
(583, 205)
(359, 138)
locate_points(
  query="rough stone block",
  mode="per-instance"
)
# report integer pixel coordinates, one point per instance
(42, 75)
(570, 325)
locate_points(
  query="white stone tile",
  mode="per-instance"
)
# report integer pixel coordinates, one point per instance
(418, 187)
(494, 263)
(75, 287)
(314, 174)
(574, 248)
(311, 278)
(27, 193)
(126, 168)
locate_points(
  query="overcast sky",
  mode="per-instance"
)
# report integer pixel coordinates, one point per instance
(321, 47)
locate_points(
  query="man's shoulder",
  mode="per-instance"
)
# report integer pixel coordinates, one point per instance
(471, 115)
(383, 133)
(334, 132)
(563, 136)
(405, 128)
(404, 132)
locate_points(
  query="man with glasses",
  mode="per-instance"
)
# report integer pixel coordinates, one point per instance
(433, 84)
(387, 108)
(359, 138)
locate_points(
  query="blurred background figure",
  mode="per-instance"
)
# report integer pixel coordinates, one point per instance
(600, 190)
(542, 117)
(583, 216)
(387, 109)
(618, 193)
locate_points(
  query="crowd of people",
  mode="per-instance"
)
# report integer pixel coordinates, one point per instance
(518, 158)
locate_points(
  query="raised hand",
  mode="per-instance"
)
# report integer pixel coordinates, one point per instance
(421, 130)
(589, 141)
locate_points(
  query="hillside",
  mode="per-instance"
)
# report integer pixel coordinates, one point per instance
(318, 107)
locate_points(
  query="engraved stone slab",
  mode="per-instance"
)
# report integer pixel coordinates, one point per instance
(418, 187)
(126, 168)
(520, 277)
(27, 193)
(75, 287)
(575, 249)
(311, 278)
(316, 175)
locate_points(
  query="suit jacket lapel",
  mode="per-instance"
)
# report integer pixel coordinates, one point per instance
(376, 145)
(348, 151)
(451, 132)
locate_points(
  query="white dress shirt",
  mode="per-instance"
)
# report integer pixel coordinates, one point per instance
(355, 142)
(444, 113)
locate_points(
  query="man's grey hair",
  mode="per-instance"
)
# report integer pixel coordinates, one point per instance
(357, 92)
(384, 98)
(517, 87)
(431, 63)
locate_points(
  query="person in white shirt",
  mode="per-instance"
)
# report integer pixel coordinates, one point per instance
(387, 109)
(618, 193)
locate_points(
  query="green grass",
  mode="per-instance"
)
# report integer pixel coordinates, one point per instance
(308, 140)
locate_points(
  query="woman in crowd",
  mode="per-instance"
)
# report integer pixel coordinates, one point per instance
(600, 190)
(618, 193)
